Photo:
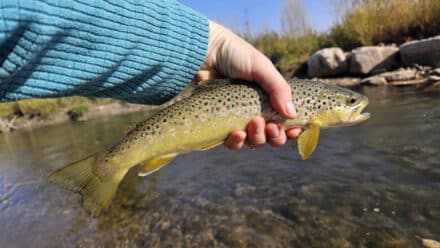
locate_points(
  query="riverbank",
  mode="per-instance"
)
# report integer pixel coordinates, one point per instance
(414, 62)
(20, 121)
(35, 113)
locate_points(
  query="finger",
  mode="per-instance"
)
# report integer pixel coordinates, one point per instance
(235, 140)
(293, 133)
(265, 74)
(275, 134)
(255, 132)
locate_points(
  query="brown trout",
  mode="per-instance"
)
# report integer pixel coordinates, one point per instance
(203, 121)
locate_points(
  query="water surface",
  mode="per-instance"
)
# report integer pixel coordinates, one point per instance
(372, 185)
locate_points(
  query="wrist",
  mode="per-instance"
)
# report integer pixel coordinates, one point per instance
(215, 42)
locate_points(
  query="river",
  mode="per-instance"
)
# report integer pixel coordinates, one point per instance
(372, 185)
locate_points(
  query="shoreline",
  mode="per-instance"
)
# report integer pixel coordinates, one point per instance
(29, 122)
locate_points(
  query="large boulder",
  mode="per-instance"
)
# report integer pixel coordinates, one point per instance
(327, 62)
(422, 52)
(373, 59)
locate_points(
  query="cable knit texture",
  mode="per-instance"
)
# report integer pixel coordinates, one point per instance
(138, 51)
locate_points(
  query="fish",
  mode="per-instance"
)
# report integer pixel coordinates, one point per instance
(203, 121)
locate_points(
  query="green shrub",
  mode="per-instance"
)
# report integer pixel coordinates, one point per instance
(37, 107)
(45, 107)
(287, 53)
(7, 109)
(78, 111)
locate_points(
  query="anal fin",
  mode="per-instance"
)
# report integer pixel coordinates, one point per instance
(154, 164)
(307, 141)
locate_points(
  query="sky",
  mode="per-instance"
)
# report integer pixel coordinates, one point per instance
(263, 15)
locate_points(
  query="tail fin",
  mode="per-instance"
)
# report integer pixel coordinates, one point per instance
(97, 194)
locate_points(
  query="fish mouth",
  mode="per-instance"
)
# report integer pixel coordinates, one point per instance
(361, 117)
(357, 116)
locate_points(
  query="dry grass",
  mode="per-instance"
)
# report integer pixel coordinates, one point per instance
(388, 21)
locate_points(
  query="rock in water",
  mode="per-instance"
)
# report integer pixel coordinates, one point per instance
(374, 80)
(373, 59)
(422, 52)
(327, 62)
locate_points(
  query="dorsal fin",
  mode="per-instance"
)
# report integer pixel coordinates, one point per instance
(213, 83)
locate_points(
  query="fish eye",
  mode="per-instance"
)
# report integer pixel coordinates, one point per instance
(351, 100)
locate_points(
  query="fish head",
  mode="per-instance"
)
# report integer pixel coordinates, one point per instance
(337, 106)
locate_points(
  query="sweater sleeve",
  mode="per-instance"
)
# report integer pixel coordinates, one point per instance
(138, 51)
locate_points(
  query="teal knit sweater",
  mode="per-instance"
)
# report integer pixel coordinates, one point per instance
(138, 51)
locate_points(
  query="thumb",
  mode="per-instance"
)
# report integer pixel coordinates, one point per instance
(267, 76)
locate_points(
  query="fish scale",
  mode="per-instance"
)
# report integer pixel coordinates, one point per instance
(202, 121)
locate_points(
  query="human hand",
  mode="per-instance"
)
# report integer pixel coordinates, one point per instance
(229, 55)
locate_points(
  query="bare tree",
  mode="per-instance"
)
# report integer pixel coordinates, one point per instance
(294, 18)
(342, 7)
(247, 34)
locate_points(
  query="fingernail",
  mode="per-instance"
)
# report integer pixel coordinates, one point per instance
(258, 129)
(290, 109)
(275, 133)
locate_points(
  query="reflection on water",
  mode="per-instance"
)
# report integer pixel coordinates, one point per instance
(376, 184)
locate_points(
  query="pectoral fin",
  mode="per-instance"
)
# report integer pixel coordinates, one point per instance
(307, 142)
(154, 164)
(209, 146)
